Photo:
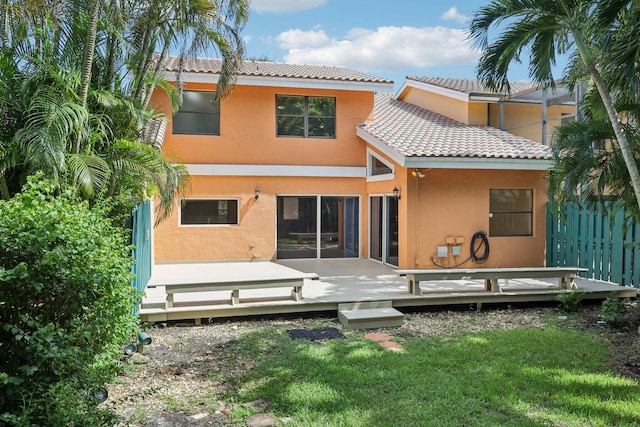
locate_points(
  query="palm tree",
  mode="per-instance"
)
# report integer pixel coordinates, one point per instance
(622, 44)
(77, 76)
(544, 29)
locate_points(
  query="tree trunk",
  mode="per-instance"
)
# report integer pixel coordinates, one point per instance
(607, 100)
(621, 138)
(89, 49)
(4, 189)
(4, 24)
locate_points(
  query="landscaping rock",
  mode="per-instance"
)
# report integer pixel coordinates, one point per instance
(391, 345)
(259, 405)
(139, 359)
(261, 420)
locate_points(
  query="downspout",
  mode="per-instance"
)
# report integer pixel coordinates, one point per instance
(415, 258)
(544, 117)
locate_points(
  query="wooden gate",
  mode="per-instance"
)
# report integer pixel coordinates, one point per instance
(141, 239)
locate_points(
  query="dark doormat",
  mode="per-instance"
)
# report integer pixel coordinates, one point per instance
(317, 334)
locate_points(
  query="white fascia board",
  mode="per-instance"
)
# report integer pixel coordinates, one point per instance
(277, 170)
(477, 163)
(462, 96)
(484, 98)
(381, 146)
(291, 82)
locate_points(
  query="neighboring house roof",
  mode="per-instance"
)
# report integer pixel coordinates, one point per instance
(471, 86)
(415, 137)
(253, 71)
(474, 90)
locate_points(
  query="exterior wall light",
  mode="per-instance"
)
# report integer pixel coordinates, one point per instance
(396, 193)
(257, 190)
(418, 173)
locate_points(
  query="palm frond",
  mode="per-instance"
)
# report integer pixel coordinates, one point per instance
(89, 173)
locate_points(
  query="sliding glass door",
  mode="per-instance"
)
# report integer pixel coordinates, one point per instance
(383, 241)
(318, 227)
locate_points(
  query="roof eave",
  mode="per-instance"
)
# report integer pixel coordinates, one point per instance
(292, 82)
(478, 163)
(408, 83)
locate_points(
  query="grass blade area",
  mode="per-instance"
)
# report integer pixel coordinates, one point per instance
(521, 377)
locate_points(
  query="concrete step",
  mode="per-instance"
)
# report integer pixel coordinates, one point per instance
(369, 315)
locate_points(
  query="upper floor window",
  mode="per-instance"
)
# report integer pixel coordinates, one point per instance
(511, 212)
(208, 211)
(199, 114)
(306, 116)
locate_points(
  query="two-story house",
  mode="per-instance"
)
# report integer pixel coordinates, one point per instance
(319, 162)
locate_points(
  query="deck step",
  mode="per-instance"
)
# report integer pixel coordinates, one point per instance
(369, 315)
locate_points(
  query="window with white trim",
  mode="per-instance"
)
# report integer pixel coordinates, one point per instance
(378, 168)
(208, 211)
(199, 114)
(305, 116)
(511, 212)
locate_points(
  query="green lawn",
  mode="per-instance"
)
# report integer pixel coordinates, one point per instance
(522, 377)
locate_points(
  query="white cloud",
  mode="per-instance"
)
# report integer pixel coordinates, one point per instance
(385, 49)
(284, 6)
(298, 39)
(453, 15)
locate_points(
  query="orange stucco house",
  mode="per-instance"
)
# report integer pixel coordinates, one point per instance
(320, 162)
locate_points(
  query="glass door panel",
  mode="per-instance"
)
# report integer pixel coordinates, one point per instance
(391, 254)
(375, 220)
(351, 227)
(339, 227)
(383, 244)
(297, 227)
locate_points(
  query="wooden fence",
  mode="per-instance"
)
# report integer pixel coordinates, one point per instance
(141, 239)
(602, 244)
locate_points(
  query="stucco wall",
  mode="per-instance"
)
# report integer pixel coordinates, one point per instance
(518, 115)
(452, 203)
(248, 137)
(255, 235)
(248, 130)
(453, 108)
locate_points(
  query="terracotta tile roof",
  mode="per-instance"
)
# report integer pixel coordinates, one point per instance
(276, 69)
(415, 132)
(470, 86)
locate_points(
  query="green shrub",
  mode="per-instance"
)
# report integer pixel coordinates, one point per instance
(66, 306)
(614, 311)
(569, 301)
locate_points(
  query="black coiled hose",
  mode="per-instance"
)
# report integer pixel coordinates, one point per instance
(475, 247)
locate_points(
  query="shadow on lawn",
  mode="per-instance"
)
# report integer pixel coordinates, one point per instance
(519, 377)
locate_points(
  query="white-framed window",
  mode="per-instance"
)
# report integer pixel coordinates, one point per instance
(510, 212)
(378, 168)
(199, 114)
(305, 116)
(209, 212)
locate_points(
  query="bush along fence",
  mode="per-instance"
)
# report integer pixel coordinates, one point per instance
(141, 239)
(595, 241)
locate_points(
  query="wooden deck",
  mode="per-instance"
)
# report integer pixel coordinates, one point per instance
(340, 281)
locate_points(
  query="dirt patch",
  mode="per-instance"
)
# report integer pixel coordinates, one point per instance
(183, 377)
